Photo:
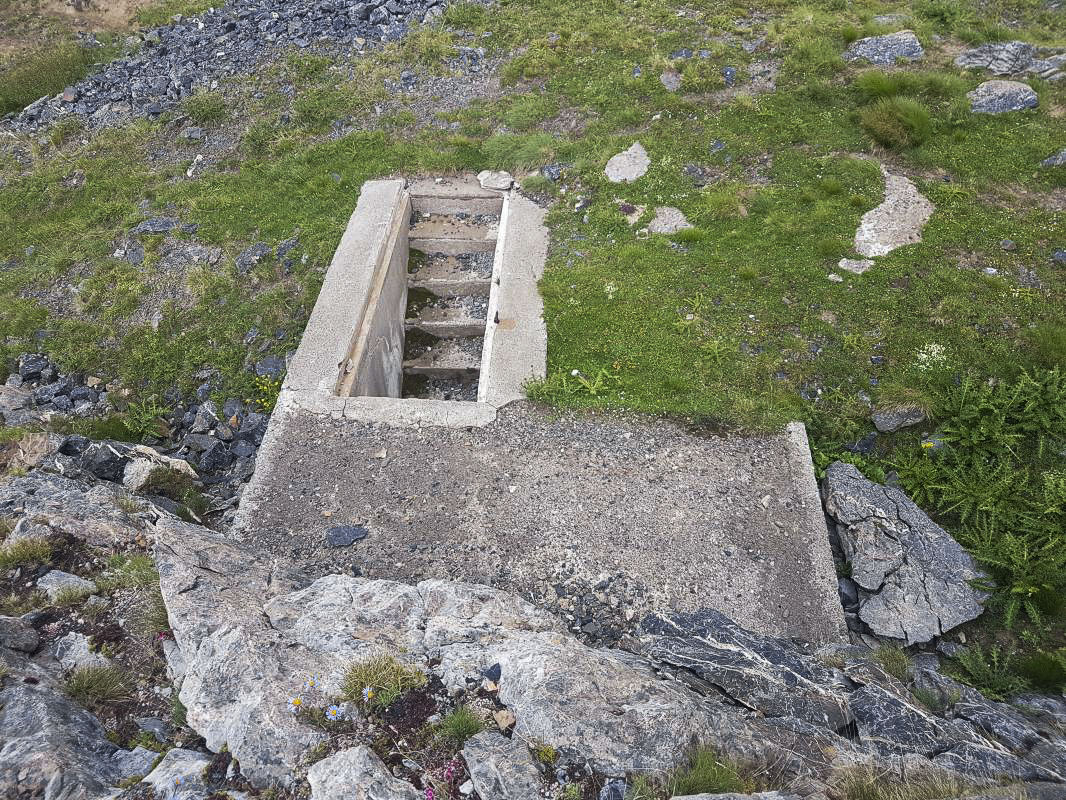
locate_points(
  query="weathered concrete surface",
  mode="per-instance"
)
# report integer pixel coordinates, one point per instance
(516, 346)
(730, 523)
(376, 234)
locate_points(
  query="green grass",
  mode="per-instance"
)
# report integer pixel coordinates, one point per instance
(457, 726)
(205, 107)
(894, 661)
(24, 552)
(27, 77)
(897, 122)
(707, 773)
(162, 12)
(385, 677)
(127, 571)
(97, 686)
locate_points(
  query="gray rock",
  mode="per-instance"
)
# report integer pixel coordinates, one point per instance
(855, 265)
(886, 50)
(345, 535)
(758, 672)
(156, 225)
(1000, 97)
(1057, 160)
(180, 775)
(913, 578)
(999, 58)
(53, 749)
(668, 220)
(890, 420)
(18, 634)
(734, 796)
(500, 181)
(357, 774)
(629, 165)
(671, 80)
(73, 651)
(501, 768)
(135, 762)
(897, 221)
(252, 256)
(55, 582)
(85, 511)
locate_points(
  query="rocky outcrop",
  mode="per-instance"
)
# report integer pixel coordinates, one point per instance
(886, 50)
(897, 221)
(1001, 97)
(357, 774)
(179, 775)
(51, 748)
(1014, 58)
(249, 632)
(914, 580)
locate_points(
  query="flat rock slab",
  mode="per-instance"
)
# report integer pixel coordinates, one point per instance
(999, 58)
(1001, 97)
(629, 165)
(886, 50)
(898, 221)
(730, 523)
(668, 220)
(1056, 160)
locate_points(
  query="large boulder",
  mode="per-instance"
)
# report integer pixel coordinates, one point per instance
(53, 749)
(914, 580)
(999, 58)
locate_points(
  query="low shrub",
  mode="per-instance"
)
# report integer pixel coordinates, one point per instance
(25, 551)
(991, 672)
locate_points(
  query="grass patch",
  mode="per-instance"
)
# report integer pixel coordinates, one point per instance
(378, 682)
(707, 773)
(70, 596)
(897, 122)
(205, 107)
(136, 571)
(894, 661)
(97, 685)
(459, 725)
(23, 552)
(27, 77)
(991, 672)
(866, 784)
(161, 13)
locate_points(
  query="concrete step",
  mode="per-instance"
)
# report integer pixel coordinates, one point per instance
(448, 329)
(467, 227)
(451, 195)
(449, 288)
(447, 357)
(451, 318)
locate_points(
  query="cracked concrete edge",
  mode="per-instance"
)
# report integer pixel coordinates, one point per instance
(337, 318)
(805, 482)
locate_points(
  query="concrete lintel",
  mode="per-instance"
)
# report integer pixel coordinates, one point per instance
(321, 359)
(516, 347)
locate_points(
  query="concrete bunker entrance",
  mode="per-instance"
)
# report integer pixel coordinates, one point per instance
(431, 296)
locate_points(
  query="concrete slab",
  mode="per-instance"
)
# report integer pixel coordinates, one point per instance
(521, 498)
(516, 339)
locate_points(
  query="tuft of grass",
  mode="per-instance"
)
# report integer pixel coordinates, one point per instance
(127, 572)
(458, 726)
(544, 753)
(385, 677)
(25, 551)
(13, 605)
(894, 660)
(28, 77)
(178, 712)
(97, 685)
(162, 12)
(70, 596)
(708, 773)
(897, 122)
(863, 783)
(205, 107)
(150, 618)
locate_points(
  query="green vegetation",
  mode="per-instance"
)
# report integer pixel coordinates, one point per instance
(127, 571)
(162, 12)
(97, 686)
(27, 77)
(991, 672)
(386, 679)
(459, 725)
(25, 551)
(70, 596)
(894, 661)
(866, 784)
(205, 108)
(544, 753)
(897, 122)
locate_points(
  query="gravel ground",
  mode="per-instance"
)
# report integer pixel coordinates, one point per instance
(538, 500)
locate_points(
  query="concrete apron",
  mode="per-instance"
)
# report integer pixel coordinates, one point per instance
(499, 492)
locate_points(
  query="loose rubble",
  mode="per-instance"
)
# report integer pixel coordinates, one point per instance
(196, 53)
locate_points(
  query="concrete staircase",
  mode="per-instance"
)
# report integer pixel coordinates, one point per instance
(452, 240)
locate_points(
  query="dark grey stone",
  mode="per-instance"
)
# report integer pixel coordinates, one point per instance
(1056, 160)
(252, 256)
(156, 225)
(886, 50)
(913, 578)
(1001, 97)
(31, 365)
(270, 367)
(216, 457)
(345, 535)
(890, 420)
